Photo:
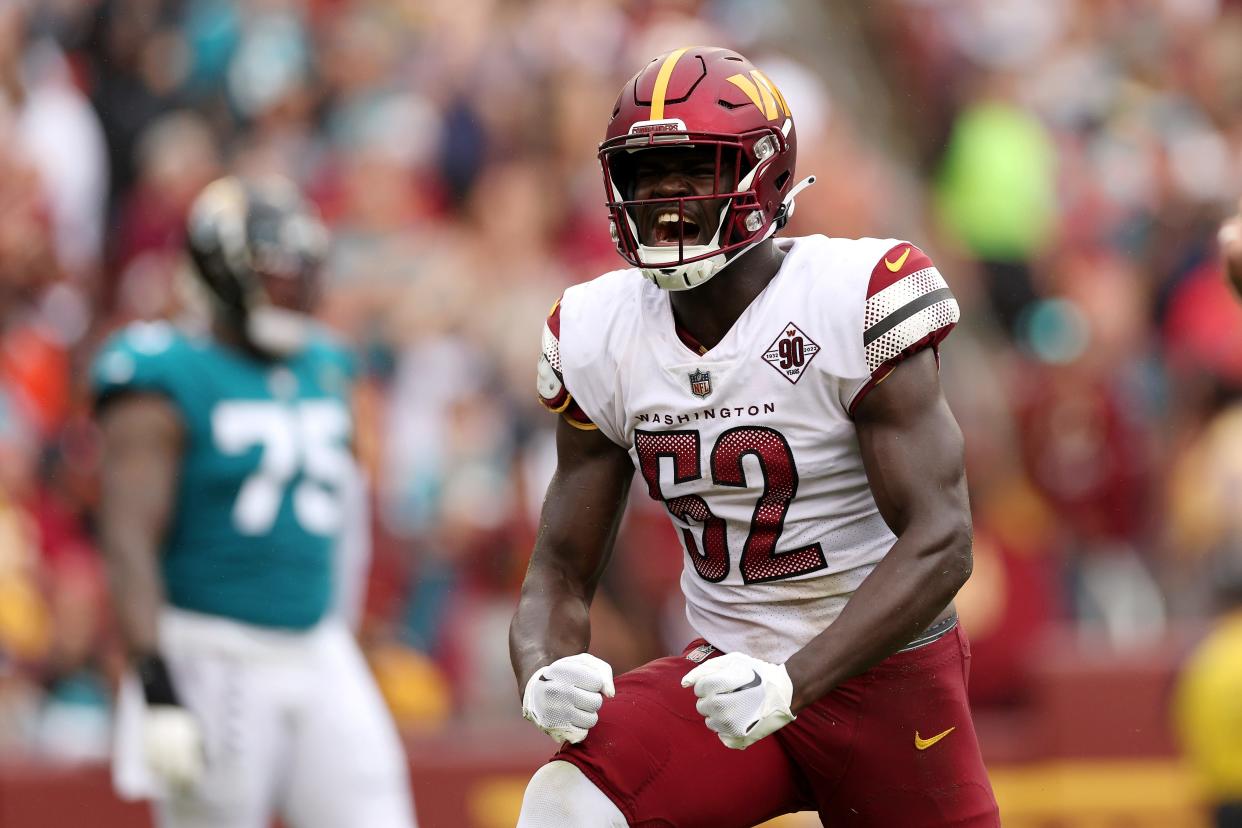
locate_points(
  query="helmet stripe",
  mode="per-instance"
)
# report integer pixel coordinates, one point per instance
(766, 81)
(769, 100)
(744, 83)
(661, 83)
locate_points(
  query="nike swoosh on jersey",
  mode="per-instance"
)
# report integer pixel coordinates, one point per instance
(924, 744)
(896, 266)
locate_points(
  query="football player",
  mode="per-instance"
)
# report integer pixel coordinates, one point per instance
(782, 399)
(226, 466)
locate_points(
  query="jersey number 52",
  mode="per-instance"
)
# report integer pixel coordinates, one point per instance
(760, 559)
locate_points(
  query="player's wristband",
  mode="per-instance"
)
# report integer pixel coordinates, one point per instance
(157, 684)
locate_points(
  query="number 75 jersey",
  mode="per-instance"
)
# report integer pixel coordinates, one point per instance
(265, 461)
(751, 445)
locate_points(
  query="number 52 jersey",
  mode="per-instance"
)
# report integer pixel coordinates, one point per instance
(751, 444)
(265, 459)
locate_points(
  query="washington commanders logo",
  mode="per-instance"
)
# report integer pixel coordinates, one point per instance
(700, 383)
(762, 93)
(790, 353)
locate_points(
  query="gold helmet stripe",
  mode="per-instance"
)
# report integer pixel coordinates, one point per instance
(769, 100)
(661, 83)
(766, 81)
(744, 83)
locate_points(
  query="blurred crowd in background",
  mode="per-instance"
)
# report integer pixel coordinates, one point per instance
(1065, 162)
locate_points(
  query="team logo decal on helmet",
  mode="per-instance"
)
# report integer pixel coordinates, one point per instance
(716, 101)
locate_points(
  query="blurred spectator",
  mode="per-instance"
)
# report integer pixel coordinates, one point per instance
(996, 196)
(57, 130)
(1208, 707)
(176, 157)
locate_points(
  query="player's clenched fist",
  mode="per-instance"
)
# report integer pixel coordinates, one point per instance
(563, 699)
(173, 745)
(742, 698)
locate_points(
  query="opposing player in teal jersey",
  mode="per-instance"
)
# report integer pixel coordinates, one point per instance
(227, 473)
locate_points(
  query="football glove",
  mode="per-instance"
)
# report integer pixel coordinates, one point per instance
(742, 698)
(563, 699)
(172, 743)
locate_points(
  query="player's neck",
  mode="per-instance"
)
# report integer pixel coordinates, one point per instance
(708, 311)
(229, 336)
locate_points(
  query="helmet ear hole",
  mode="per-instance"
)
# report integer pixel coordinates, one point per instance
(781, 181)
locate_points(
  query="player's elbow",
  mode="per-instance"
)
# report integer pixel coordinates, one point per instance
(959, 567)
(947, 550)
(955, 556)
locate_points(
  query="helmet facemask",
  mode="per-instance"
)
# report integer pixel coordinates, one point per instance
(274, 327)
(713, 222)
(284, 286)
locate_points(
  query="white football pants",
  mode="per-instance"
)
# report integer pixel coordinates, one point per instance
(292, 724)
(560, 796)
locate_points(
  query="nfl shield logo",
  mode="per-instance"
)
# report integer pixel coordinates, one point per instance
(700, 383)
(700, 653)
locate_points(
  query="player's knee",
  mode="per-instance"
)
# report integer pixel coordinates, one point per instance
(560, 795)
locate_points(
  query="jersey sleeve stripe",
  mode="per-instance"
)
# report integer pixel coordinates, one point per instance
(558, 403)
(553, 394)
(905, 312)
(913, 308)
(581, 425)
(900, 293)
(552, 348)
(909, 307)
(928, 326)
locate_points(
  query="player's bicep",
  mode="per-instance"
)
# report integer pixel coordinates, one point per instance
(583, 506)
(912, 449)
(141, 440)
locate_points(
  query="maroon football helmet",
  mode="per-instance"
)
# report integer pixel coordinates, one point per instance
(715, 101)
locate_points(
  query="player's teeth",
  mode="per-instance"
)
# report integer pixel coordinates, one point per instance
(664, 218)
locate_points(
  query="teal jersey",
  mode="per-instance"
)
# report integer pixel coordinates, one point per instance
(265, 457)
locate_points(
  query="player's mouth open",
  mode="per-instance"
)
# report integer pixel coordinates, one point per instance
(671, 228)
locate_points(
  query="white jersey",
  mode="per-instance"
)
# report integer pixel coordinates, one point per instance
(751, 444)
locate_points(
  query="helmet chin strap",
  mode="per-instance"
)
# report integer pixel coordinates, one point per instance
(277, 331)
(788, 202)
(687, 276)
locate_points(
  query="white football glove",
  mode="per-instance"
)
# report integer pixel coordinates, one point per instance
(172, 742)
(563, 699)
(742, 698)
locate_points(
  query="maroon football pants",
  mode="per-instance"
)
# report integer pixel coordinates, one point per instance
(892, 748)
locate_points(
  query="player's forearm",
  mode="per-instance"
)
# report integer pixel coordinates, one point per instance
(552, 621)
(137, 595)
(903, 595)
(141, 455)
(137, 592)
